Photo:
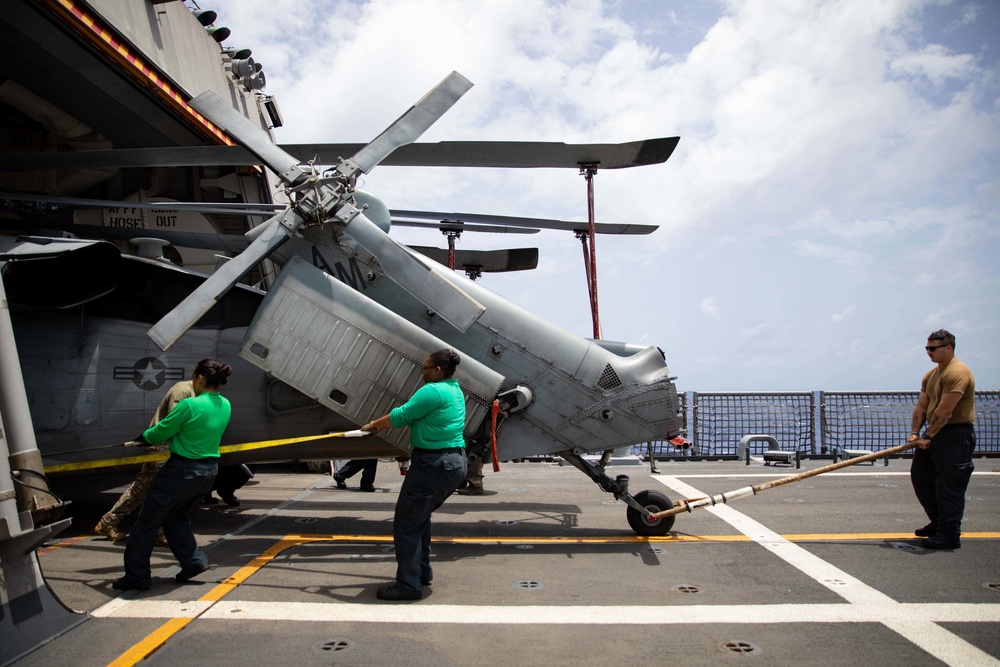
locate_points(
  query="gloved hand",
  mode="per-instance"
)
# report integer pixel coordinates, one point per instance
(369, 428)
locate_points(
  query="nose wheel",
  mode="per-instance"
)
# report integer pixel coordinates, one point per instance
(640, 506)
(643, 525)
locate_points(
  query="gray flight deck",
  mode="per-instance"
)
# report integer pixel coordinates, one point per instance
(544, 570)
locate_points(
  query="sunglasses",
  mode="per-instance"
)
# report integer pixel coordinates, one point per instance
(931, 348)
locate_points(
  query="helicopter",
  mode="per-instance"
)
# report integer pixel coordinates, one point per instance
(139, 234)
(546, 391)
(533, 388)
(355, 345)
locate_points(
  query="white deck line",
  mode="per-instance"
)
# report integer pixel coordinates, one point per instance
(792, 471)
(378, 612)
(916, 626)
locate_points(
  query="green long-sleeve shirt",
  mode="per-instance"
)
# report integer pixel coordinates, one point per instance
(435, 414)
(194, 426)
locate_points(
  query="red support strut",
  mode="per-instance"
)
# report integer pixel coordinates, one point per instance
(452, 236)
(588, 171)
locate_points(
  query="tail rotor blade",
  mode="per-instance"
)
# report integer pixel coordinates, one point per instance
(443, 297)
(414, 122)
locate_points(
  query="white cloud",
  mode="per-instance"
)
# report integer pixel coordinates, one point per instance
(828, 148)
(934, 63)
(836, 318)
(969, 13)
(938, 319)
(710, 307)
(830, 252)
(755, 331)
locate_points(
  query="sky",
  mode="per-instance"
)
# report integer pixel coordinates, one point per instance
(833, 199)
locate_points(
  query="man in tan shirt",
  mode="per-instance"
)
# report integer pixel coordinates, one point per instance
(942, 462)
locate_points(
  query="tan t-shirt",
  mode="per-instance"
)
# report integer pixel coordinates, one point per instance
(176, 394)
(956, 377)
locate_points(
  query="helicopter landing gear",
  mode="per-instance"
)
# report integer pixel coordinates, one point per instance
(640, 522)
(640, 507)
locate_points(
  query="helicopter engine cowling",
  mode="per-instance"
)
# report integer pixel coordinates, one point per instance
(374, 209)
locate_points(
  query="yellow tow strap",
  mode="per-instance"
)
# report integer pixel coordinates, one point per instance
(225, 449)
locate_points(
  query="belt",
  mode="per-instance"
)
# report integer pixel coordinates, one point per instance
(439, 449)
(184, 458)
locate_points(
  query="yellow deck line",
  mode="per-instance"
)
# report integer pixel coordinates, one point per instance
(163, 456)
(159, 637)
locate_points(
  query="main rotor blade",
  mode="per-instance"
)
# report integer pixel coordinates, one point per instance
(414, 122)
(498, 154)
(517, 154)
(487, 261)
(173, 325)
(464, 227)
(256, 140)
(440, 295)
(544, 223)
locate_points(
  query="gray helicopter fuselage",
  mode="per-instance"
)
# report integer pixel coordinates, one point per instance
(587, 395)
(94, 378)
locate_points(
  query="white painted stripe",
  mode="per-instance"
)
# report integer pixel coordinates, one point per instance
(877, 472)
(155, 609)
(750, 475)
(115, 606)
(918, 628)
(942, 644)
(380, 612)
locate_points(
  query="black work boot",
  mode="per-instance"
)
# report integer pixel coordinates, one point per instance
(942, 541)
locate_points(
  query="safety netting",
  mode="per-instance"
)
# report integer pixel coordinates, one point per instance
(721, 420)
(812, 423)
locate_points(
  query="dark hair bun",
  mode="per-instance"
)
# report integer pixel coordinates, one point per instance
(214, 372)
(447, 359)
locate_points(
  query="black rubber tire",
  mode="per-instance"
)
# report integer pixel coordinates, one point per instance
(654, 502)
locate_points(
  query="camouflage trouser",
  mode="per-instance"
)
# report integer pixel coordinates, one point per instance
(474, 478)
(134, 495)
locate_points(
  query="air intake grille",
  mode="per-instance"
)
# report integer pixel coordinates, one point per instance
(609, 379)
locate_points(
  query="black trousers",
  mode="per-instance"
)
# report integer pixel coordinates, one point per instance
(176, 491)
(352, 467)
(232, 478)
(433, 476)
(940, 475)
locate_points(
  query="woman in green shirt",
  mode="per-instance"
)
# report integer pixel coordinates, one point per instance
(436, 417)
(194, 428)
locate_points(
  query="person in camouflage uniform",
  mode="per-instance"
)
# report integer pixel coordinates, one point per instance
(136, 492)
